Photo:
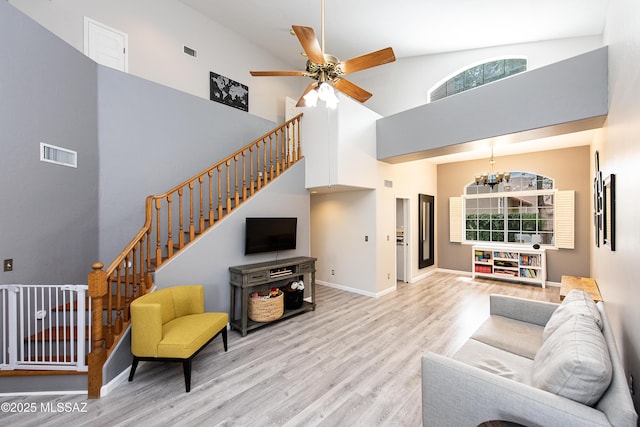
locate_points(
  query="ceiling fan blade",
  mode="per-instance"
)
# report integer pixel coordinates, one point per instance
(309, 88)
(373, 59)
(352, 90)
(277, 73)
(309, 43)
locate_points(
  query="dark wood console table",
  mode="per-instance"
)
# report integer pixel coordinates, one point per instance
(254, 277)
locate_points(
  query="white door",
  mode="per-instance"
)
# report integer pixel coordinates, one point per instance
(105, 45)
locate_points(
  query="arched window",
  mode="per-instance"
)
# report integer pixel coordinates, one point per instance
(519, 211)
(478, 75)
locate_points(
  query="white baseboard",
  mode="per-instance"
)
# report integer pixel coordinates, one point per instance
(461, 273)
(357, 291)
(121, 378)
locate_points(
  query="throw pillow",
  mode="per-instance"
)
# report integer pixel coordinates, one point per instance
(574, 362)
(576, 302)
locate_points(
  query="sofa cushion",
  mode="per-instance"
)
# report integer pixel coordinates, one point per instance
(576, 302)
(521, 338)
(574, 361)
(496, 361)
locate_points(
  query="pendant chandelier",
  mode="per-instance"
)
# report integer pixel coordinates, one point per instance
(492, 178)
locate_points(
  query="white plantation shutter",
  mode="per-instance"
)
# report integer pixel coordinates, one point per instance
(565, 222)
(455, 219)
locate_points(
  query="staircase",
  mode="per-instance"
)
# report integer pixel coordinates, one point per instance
(173, 220)
(44, 333)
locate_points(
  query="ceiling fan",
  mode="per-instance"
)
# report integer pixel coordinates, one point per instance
(327, 71)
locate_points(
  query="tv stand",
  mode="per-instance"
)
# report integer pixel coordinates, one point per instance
(245, 279)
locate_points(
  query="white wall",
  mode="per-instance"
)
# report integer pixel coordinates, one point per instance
(339, 223)
(409, 180)
(385, 231)
(357, 163)
(617, 272)
(340, 145)
(157, 31)
(340, 220)
(404, 84)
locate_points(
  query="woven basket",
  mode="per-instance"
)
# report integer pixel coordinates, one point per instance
(266, 310)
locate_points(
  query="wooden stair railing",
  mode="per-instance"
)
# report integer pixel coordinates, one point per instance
(172, 221)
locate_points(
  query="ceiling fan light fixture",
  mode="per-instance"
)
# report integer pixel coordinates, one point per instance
(325, 91)
(311, 98)
(327, 70)
(332, 101)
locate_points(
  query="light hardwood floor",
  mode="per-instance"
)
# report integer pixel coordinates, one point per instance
(355, 361)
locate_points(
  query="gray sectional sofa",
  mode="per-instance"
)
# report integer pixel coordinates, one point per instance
(534, 363)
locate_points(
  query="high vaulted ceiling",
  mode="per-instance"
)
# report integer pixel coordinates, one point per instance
(411, 27)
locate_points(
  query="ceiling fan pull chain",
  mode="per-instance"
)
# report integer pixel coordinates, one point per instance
(322, 17)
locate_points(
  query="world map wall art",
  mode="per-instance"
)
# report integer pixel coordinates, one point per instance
(229, 92)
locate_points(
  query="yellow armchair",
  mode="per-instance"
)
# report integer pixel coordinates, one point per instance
(170, 325)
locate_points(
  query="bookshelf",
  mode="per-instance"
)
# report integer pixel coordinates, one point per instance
(516, 263)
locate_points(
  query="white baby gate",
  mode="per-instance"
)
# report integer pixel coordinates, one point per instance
(44, 327)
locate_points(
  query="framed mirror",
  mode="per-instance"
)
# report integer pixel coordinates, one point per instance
(425, 228)
(609, 212)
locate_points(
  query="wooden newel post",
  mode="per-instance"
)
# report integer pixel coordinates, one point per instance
(97, 283)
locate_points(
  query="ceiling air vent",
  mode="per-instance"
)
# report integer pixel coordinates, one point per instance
(59, 156)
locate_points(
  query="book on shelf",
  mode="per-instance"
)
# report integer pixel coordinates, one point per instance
(503, 272)
(529, 273)
(507, 255)
(530, 260)
(483, 269)
(482, 256)
(501, 263)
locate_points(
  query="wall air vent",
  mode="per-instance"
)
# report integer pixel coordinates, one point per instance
(60, 156)
(191, 52)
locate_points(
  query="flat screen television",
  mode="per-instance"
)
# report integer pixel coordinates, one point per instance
(269, 234)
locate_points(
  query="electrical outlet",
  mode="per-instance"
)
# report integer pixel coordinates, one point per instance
(8, 264)
(366, 238)
(333, 272)
(388, 275)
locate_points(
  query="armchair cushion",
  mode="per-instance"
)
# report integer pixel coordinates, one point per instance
(184, 336)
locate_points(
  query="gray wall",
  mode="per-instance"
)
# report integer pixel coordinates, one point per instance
(133, 138)
(208, 260)
(48, 213)
(560, 93)
(152, 138)
(568, 167)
